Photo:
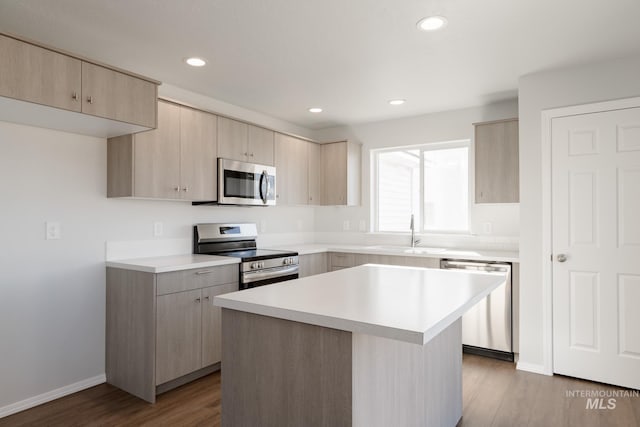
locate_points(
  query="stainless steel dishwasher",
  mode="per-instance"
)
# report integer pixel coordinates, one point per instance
(487, 326)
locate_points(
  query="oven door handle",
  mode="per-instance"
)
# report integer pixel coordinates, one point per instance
(254, 276)
(264, 180)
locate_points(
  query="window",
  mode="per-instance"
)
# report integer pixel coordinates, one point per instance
(429, 181)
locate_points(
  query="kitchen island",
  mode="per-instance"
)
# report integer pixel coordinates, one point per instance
(371, 345)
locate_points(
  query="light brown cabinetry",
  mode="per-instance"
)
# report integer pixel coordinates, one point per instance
(244, 142)
(340, 169)
(338, 261)
(44, 76)
(118, 96)
(162, 329)
(312, 264)
(175, 161)
(291, 156)
(314, 153)
(34, 74)
(496, 162)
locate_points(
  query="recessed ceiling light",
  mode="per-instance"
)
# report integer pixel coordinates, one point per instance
(196, 62)
(397, 101)
(432, 23)
(315, 110)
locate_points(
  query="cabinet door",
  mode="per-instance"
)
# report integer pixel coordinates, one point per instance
(179, 335)
(34, 74)
(314, 174)
(212, 323)
(118, 96)
(198, 155)
(232, 139)
(157, 156)
(292, 170)
(260, 146)
(334, 172)
(312, 264)
(497, 163)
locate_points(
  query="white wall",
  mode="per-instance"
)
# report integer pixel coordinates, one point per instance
(537, 92)
(52, 292)
(437, 127)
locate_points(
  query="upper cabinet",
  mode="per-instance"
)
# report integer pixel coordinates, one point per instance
(244, 142)
(291, 156)
(34, 74)
(118, 96)
(314, 173)
(175, 161)
(340, 170)
(46, 88)
(496, 162)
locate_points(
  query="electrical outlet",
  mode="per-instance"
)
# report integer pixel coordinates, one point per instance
(346, 225)
(158, 229)
(487, 228)
(53, 230)
(363, 225)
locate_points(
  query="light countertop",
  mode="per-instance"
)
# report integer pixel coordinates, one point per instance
(165, 264)
(402, 303)
(455, 253)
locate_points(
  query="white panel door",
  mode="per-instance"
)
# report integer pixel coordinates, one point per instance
(596, 226)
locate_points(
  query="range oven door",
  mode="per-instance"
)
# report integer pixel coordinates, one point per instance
(241, 183)
(252, 279)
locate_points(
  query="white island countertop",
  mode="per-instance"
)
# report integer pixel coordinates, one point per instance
(402, 303)
(164, 264)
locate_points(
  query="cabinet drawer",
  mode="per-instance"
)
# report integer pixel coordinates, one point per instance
(184, 280)
(342, 260)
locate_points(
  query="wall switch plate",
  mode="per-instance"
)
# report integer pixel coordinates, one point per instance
(363, 225)
(53, 230)
(346, 225)
(158, 229)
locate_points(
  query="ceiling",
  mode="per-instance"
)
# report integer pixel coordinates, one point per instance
(350, 57)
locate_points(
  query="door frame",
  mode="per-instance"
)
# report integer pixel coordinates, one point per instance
(547, 211)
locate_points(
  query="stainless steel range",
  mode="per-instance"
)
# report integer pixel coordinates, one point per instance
(258, 267)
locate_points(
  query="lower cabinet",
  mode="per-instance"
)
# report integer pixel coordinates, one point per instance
(163, 329)
(312, 264)
(338, 260)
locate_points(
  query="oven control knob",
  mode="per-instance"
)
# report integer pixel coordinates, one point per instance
(261, 265)
(285, 261)
(254, 265)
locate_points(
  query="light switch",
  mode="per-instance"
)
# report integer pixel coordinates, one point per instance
(53, 230)
(158, 229)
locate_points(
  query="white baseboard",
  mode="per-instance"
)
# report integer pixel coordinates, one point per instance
(51, 395)
(531, 367)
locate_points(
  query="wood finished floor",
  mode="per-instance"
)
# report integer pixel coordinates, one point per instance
(494, 394)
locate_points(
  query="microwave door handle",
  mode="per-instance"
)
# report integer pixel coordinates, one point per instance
(264, 178)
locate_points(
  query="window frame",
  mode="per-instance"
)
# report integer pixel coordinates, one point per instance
(431, 146)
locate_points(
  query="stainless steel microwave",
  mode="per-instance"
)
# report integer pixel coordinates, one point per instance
(241, 183)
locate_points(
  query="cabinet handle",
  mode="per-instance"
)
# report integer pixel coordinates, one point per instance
(198, 299)
(185, 189)
(206, 298)
(245, 154)
(205, 272)
(176, 188)
(90, 99)
(74, 96)
(251, 154)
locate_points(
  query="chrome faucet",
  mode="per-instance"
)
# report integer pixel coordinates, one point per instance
(414, 241)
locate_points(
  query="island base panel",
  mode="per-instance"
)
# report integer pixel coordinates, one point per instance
(396, 383)
(277, 372)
